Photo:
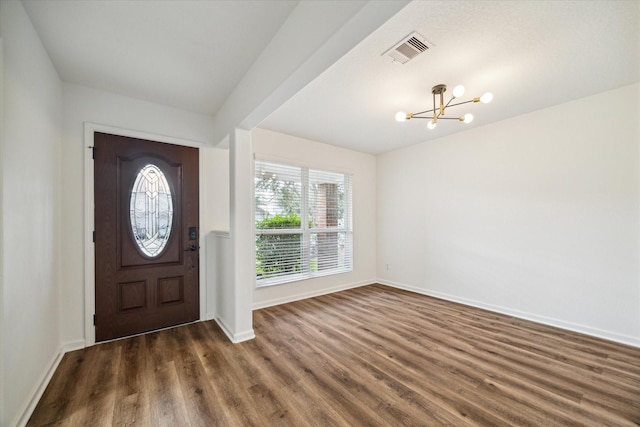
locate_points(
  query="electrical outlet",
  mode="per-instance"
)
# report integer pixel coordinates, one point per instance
(388, 267)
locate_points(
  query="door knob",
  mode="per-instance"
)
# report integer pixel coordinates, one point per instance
(191, 248)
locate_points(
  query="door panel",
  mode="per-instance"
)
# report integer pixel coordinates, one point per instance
(137, 289)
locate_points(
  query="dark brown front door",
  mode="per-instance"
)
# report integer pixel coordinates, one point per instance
(146, 237)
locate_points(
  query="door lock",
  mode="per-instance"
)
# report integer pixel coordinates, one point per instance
(193, 233)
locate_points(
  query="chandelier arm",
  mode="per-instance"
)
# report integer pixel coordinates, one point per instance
(439, 117)
(423, 112)
(415, 115)
(460, 103)
(449, 104)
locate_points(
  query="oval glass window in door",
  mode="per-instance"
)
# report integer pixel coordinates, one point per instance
(151, 209)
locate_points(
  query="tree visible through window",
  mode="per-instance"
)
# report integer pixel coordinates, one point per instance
(303, 223)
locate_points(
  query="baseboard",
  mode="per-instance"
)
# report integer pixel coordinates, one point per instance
(73, 346)
(244, 336)
(237, 337)
(298, 297)
(30, 405)
(573, 327)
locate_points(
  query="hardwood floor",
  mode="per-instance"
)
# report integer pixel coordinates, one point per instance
(367, 356)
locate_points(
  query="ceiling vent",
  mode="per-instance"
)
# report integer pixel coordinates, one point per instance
(410, 47)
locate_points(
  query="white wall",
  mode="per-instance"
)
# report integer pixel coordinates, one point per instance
(31, 135)
(215, 202)
(2, 323)
(286, 148)
(220, 278)
(537, 216)
(82, 105)
(215, 225)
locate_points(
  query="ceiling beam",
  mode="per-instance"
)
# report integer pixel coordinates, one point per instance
(314, 36)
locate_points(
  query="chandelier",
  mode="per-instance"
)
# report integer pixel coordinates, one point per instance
(438, 112)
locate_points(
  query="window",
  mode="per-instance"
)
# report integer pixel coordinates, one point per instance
(303, 223)
(151, 211)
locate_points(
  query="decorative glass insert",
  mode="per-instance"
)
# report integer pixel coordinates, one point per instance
(151, 210)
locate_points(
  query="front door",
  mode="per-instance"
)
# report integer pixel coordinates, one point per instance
(146, 235)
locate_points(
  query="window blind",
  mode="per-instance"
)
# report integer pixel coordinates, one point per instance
(303, 223)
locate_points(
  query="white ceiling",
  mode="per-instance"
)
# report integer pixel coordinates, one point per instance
(529, 54)
(186, 54)
(193, 54)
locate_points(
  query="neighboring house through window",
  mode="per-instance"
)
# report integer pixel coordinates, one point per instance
(303, 223)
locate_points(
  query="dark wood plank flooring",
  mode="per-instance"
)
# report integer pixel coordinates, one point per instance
(373, 356)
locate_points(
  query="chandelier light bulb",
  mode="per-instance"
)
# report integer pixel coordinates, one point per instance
(431, 124)
(401, 117)
(486, 98)
(468, 118)
(458, 91)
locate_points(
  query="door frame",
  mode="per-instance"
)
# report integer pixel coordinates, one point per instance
(89, 249)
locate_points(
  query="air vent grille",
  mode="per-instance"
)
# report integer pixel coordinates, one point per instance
(410, 47)
(413, 41)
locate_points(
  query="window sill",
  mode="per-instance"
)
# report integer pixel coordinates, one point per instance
(298, 278)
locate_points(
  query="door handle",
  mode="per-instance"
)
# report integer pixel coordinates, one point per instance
(191, 248)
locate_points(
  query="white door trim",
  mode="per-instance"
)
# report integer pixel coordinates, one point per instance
(89, 250)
